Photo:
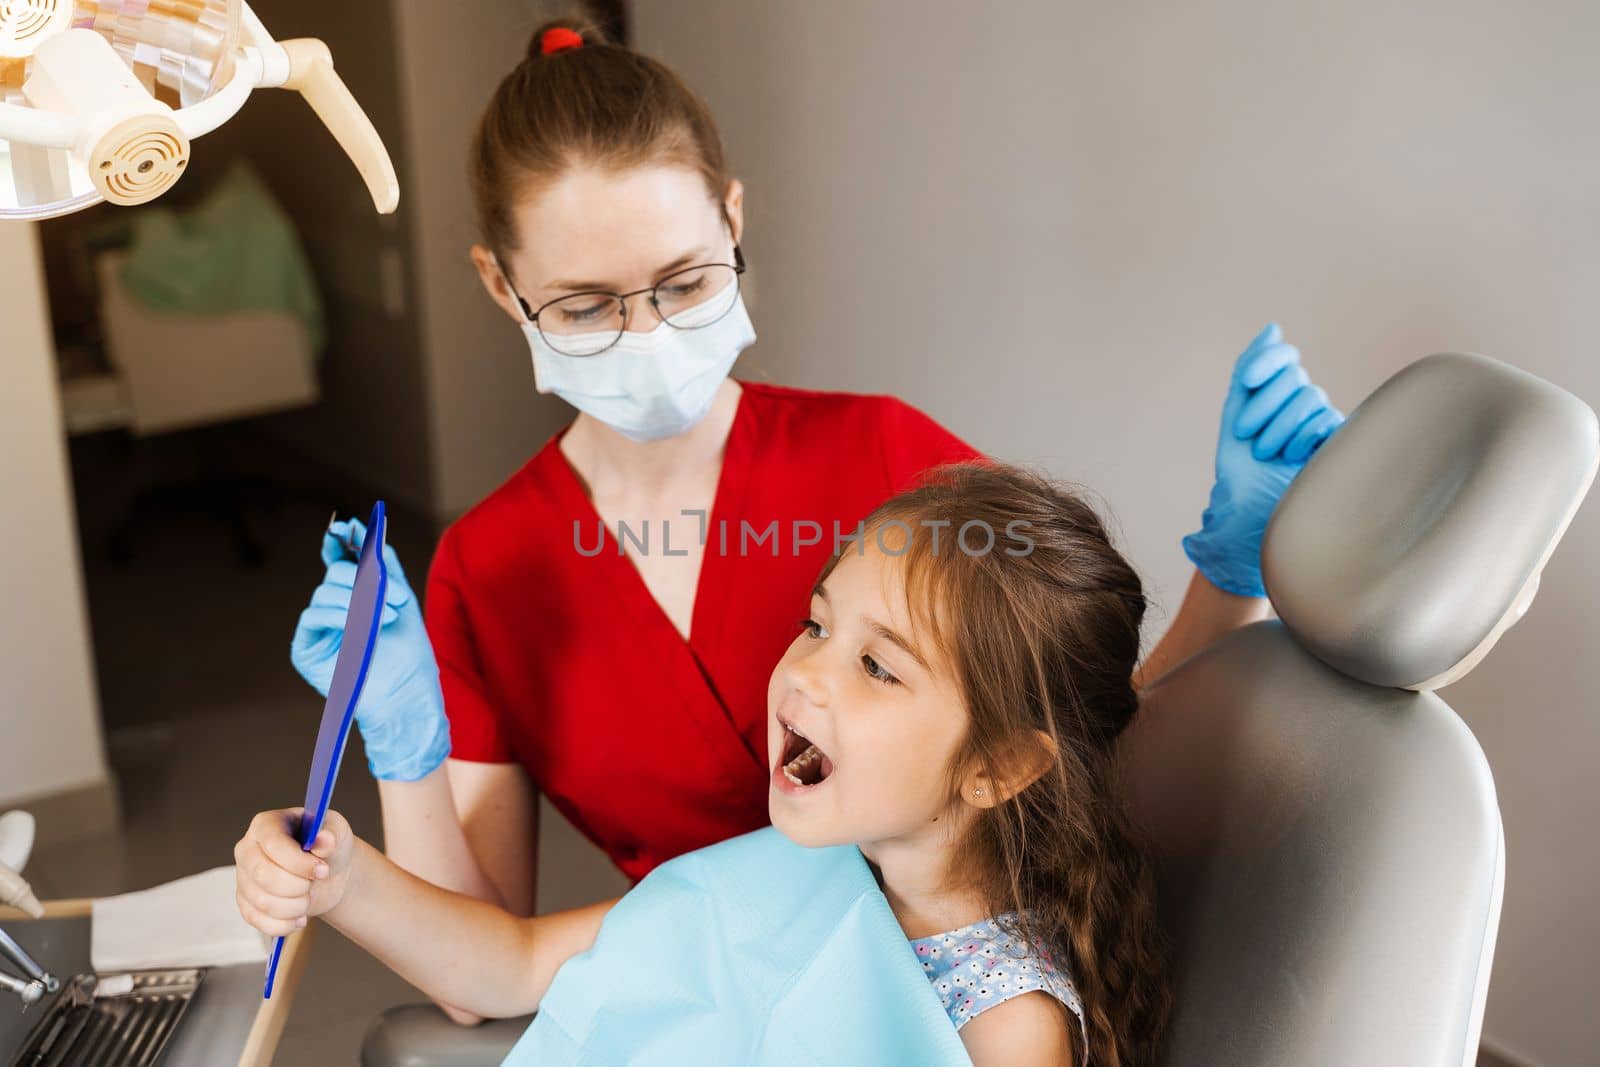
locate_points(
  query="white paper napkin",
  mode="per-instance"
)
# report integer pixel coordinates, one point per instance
(192, 922)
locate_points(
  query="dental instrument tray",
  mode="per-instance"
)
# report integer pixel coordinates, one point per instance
(115, 1020)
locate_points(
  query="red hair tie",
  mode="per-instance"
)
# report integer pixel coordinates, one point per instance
(559, 39)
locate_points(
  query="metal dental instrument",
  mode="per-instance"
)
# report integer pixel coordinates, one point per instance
(351, 549)
(36, 982)
(16, 840)
(122, 1020)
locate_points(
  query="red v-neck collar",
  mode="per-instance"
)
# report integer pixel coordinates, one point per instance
(728, 506)
(711, 588)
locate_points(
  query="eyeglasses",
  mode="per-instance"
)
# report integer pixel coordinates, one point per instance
(588, 323)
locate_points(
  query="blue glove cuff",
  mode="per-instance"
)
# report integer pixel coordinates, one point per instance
(1226, 574)
(404, 756)
(413, 765)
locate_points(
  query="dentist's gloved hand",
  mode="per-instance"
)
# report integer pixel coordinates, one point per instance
(401, 712)
(1272, 422)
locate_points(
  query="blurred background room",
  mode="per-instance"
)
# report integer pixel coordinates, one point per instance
(996, 212)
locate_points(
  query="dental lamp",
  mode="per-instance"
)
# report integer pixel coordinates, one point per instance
(100, 101)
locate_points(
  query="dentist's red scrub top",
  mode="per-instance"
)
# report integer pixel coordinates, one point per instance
(554, 654)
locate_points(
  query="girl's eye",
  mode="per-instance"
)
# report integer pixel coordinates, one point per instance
(813, 628)
(876, 672)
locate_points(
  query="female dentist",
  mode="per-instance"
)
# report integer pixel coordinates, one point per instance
(621, 670)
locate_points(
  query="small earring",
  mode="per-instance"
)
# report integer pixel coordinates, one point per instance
(977, 792)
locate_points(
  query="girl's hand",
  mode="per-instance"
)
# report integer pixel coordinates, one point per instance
(280, 886)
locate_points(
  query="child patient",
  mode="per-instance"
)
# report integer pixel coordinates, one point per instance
(950, 708)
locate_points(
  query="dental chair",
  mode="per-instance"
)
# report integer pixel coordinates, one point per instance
(1327, 838)
(1325, 828)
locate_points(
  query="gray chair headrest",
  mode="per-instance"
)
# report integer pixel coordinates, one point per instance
(1416, 535)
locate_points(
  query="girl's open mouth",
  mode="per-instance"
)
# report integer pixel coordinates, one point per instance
(802, 764)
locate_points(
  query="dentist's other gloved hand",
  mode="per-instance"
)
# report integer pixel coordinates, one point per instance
(1272, 422)
(401, 711)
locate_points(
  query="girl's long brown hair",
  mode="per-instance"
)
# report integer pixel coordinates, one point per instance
(1042, 631)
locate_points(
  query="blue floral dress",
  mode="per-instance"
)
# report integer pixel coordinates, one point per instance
(975, 967)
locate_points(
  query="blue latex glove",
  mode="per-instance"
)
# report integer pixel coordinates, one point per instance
(401, 711)
(1272, 422)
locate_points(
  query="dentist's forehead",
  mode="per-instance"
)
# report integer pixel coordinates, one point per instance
(615, 226)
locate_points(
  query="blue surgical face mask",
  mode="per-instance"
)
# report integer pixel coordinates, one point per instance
(648, 385)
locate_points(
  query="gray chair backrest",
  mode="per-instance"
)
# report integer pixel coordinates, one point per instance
(1326, 833)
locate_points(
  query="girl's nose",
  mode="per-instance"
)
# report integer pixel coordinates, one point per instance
(807, 676)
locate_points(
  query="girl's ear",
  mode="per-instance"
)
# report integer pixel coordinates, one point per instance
(1019, 768)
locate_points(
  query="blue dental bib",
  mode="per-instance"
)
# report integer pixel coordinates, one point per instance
(752, 951)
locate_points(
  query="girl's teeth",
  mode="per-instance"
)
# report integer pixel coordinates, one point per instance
(800, 763)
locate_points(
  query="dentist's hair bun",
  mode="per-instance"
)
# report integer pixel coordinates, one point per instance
(564, 35)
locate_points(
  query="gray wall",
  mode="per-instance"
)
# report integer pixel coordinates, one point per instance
(1054, 229)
